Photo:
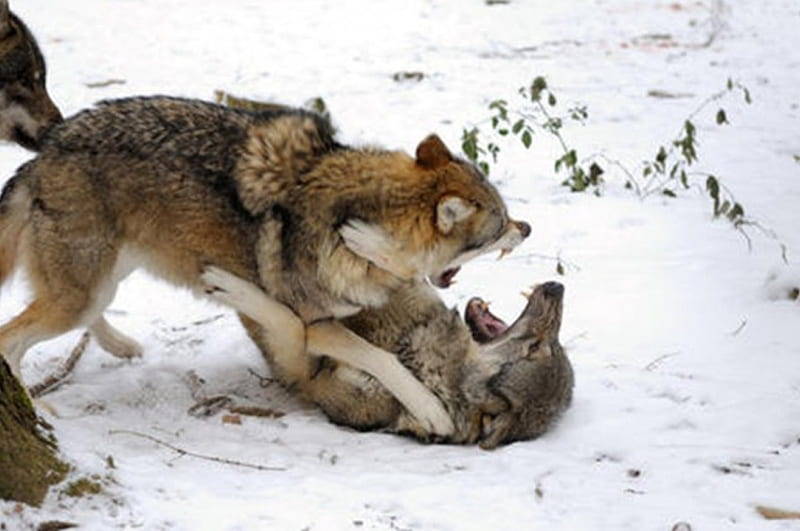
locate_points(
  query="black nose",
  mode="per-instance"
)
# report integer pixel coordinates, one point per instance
(524, 228)
(553, 289)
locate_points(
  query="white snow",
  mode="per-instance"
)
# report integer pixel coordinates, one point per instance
(684, 342)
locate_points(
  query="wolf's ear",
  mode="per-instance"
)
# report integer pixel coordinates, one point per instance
(450, 210)
(5, 18)
(497, 432)
(432, 153)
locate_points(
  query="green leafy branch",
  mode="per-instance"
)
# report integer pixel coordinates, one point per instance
(667, 172)
(539, 114)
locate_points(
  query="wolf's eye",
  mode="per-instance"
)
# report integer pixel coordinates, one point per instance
(533, 347)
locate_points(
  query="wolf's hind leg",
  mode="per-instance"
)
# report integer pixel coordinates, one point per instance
(113, 341)
(42, 319)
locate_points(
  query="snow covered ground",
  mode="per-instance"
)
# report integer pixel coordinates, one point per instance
(684, 342)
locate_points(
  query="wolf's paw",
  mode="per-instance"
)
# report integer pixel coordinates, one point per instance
(426, 407)
(432, 415)
(115, 342)
(372, 243)
(122, 347)
(230, 289)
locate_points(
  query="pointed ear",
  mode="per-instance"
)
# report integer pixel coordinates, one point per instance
(5, 18)
(432, 153)
(452, 209)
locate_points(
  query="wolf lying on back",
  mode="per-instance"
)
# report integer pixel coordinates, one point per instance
(174, 185)
(511, 386)
(26, 109)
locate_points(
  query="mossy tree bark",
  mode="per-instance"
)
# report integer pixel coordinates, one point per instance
(28, 461)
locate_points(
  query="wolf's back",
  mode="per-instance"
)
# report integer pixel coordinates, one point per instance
(161, 129)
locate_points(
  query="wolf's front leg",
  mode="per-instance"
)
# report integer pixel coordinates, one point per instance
(331, 338)
(328, 338)
(285, 332)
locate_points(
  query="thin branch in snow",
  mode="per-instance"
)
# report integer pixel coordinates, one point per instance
(656, 362)
(772, 513)
(739, 328)
(60, 376)
(181, 452)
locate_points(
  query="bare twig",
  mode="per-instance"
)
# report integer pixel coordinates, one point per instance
(739, 328)
(60, 376)
(181, 452)
(772, 513)
(255, 411)
(263, 381)
(656, 362)
(209, 407)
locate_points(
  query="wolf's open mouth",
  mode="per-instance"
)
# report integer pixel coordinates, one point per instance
(445, 280)
(483, 324)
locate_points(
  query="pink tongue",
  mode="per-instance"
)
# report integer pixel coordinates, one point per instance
(496, 327)
(483, 324)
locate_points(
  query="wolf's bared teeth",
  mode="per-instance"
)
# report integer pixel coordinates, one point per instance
(526, 294)
(504, 251)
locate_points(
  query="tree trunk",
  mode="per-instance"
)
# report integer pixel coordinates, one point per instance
(28, 462)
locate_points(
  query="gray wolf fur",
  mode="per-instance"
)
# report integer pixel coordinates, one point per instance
(26, 110)
(512, 385)
(174, 185)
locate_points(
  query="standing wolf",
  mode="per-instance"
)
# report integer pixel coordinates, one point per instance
(174, 185)
(499, 384)
(26, 109)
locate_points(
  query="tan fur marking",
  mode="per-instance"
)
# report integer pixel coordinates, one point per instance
(272, 157)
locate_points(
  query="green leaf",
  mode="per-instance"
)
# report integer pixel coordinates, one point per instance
(560, 268)
(721, 117)
(538, 86)
(518, 125)
(647, 171)
(503, 131)
(712, 186)
(469, 144)
(684, 179)
(736, 213)
(730, 84)
(674, 170)
(690, 129)
(501, 106)
(661, 156)
(747, 98)
(667, 192)
(576, 184)
(551, 99)
(527, 139)
(571, 158)
(723, 209)
(484, 166)
(595, 172)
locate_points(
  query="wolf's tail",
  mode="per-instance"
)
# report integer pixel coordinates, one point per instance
(15, 203)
